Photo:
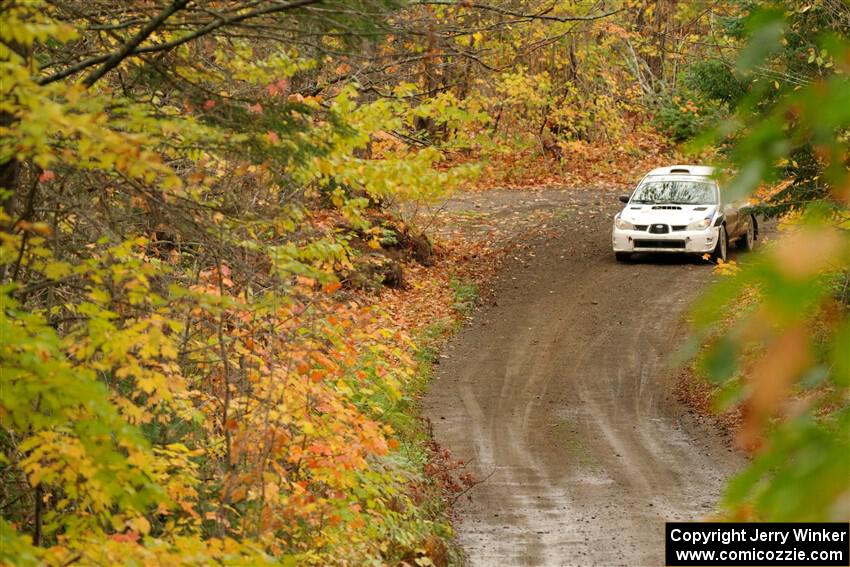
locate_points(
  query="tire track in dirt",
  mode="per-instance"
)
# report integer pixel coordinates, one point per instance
(559, 390)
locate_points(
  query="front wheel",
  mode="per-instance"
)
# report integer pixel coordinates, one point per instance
(748, 241)
(622, 256)
(721, 246)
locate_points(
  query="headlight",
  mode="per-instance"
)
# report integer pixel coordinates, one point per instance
(623, 224)
(700, 224)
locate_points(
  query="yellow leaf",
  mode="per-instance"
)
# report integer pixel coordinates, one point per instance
(140, 525)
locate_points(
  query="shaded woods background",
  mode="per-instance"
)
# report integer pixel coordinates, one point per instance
(201, 205)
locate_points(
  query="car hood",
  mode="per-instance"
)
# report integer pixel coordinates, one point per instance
(666, 214)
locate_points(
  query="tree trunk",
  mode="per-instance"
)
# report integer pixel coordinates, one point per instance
(10, 170)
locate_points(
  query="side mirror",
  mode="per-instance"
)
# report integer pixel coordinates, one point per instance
(624, 198)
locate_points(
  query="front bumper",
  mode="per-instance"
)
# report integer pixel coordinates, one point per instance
(681, 242)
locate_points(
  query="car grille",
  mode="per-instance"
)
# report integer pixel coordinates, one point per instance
(667, 207)
(640, 227)
(660, 244)
(678, 227)
(659, 228)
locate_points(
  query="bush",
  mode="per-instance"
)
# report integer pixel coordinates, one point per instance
(683, 117)
(715, 81)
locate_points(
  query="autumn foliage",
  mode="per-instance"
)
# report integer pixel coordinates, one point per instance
(202, 203)
(184, 379)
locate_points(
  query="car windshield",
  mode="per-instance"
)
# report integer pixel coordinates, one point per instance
(676, 192)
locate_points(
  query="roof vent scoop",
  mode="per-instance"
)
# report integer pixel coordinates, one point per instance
(679, 170)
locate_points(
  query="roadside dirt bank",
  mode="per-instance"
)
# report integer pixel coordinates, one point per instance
(560, 396)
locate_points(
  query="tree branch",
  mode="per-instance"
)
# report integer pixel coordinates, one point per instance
(116, 58)
(543, 15)
(136, 50)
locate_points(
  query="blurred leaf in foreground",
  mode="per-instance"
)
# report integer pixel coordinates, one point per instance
(790, 348)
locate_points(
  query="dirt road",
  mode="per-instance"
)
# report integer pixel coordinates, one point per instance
(559, 395)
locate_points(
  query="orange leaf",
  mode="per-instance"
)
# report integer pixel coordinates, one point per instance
(784, 360)
(324, 360)
(331, 287)
(129, 537)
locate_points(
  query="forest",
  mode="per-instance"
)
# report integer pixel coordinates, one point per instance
(219, 283)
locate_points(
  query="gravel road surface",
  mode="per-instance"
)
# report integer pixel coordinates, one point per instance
(558, 394)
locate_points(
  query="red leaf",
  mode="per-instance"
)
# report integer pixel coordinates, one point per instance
(278, 87)
(129, 537)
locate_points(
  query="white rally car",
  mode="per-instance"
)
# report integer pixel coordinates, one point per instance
(680, 209)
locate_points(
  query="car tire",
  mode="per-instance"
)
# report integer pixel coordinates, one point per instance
(623, 256)
(748, 241)
(722, 246)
